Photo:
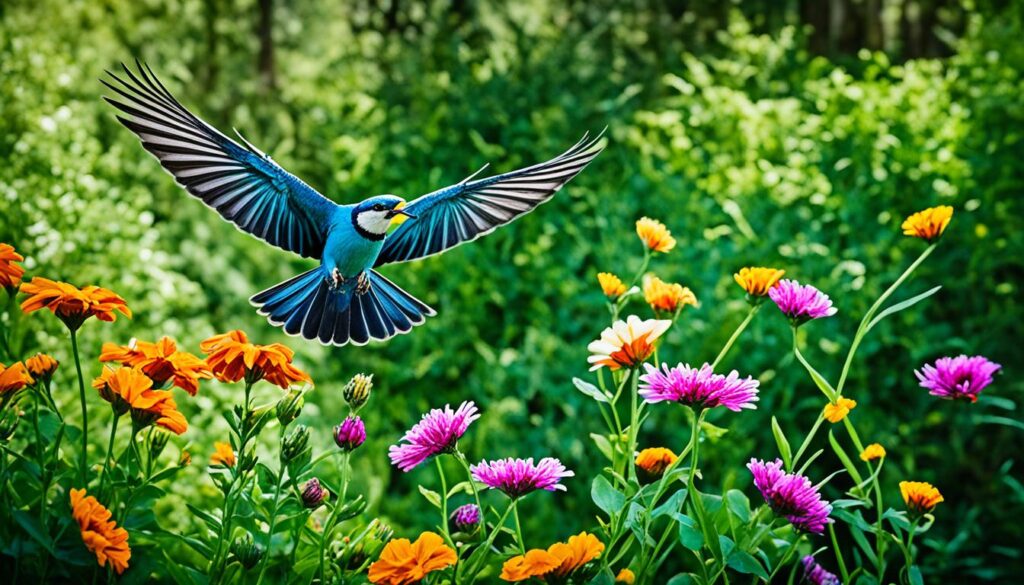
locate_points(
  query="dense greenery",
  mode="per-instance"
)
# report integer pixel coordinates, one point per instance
(751, 148)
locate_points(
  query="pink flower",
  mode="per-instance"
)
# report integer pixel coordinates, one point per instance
(518, 477)
(437, 432)
(958, 377)
(698, 388)
(791, 495)
(801, 303)
(351, 433)
(815, 574)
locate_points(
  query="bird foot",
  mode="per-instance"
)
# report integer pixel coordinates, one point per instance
(336, 280)
(362, 284)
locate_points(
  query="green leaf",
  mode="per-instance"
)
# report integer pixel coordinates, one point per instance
(431, 496)
(782, 443)
(847, 463)
(689, 533)
(745, 563)
(603, 445)
(683, 579)
(590, 390)
(915, 575)
(606, 497)
(671, 505)
(738, 505)
(34, 528)
(603, 578)
(901, 306)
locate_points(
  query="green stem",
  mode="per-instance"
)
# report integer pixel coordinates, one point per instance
(807, 440)
(519, 528)
(735, 335)
(785, 557)
(325, 536)
(908, 551)
(695, 441)
(818, 379)
(472, 484)
(265, 561)
(879, 535)
(106, 458)
(634, 421)
(83, 461)
(839, 554)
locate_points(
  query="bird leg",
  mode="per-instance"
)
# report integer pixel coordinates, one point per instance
(362, 284)
(336, 280)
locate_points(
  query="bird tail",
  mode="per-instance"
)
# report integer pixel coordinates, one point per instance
(306, 305)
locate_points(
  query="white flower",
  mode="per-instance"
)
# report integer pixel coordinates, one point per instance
(626, 343)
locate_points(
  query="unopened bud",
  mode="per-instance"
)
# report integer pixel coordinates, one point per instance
(313, 494)
(246, 551)
(294, 443)
(357, 391)
(289, 407)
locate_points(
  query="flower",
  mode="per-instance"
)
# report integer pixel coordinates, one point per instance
(466, 518)
(129, 389)
(437, 432)
(815, 574)
(626, 344)
(10, 272)
(559, 561)
(928, 224)
(655, 460)
(837, 411)
(534, 563)
(758, 280)
(655, 235)
(350, 433)
(920, 497)
(791, 495)
(662, 296)
(232, 358)
(99, 533)
(223, 454)
(13, 377)
(957, 378)
(42, 366)
(625, 577)
(247, 551)
(357, 390)
(71, 304)
(313, 494)
(161, 361)
(872, 452)
(801, 303)
(294, 444)
(518, 477)
(611, 285)
(404, 563)
(699, 388)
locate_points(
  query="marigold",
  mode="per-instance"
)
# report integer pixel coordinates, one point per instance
(161, 361)
(10, 272)
(625, 577)
(655, 460)
(404, 563)
(920, 497)
(232, 358)
(626, 344)
(129, 389)
(611, 285)
(928, 224)
(558, 562)
(655, 235)
(71, 304)
(534, 563)
(758, 280)
(837, 411)
(872, 452)
(13, 377)
(668, 297)
(42, 366)
(100, 534)
(223, 454)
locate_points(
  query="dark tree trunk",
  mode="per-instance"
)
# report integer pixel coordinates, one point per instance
(268, 76)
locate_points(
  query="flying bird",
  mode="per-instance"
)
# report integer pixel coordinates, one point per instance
(344, 299)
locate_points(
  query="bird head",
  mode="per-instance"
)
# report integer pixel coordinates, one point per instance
(377, 214)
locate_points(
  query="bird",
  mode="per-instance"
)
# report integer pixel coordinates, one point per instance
(344, 299)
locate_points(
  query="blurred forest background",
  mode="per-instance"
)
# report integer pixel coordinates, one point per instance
(795, 134)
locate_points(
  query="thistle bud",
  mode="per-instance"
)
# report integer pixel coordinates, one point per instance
(357, 391)
(465, 518)
(246, 551)
(294, 443)
(289, 407)
(313, 494)
(350, 433)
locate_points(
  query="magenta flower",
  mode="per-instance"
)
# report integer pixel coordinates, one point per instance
(466, 518)
(701, 388)
(801, 303)
(437, 432)
(350, 433)
(815, 574)
(518, 477)
(791, 495)
(959, 377)
(313, 494)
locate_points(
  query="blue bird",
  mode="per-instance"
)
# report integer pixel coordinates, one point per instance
(344, 299)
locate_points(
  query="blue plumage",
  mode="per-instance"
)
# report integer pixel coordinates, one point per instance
(344, 299)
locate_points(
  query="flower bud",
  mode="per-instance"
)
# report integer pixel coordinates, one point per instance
(246, 551)
(289, 407)
(350, 433)
(185, 459)
(157, 442)
(42, 367)
(465, 518)
(357, 391)
(313, 494)
(294, 443)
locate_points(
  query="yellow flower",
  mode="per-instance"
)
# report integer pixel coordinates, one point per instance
(10, 271)
(655, 235)
(99, 533)
(71, 304)
(655, 460)
(928, 224)
(404, 563)
(872, 452)
(920, 497)
(232, 358)
(611, 285)
(626, 344)
(758, 280)
(223, 455)
(837, 411)
(662, 296)
(625, 577)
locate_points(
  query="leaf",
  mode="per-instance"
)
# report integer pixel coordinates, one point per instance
(683, 579)
(743, 562)
(915, 575)
(606, 497)
(590, 390)
(603, 578)
(901, 306)
(847, 463)
(671, 505)
(738, 505)
(782, 443)
(603, 445)
(689, 534)
(34, 528)
(431, 496)
(211, 521)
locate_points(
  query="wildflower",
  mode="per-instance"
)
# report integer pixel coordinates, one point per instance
(837, 411)
(920, 497)
(611, 285)
(757, 281)
(437, 432)
(625, 577)
(872, 452)
(535, 563)
(223, 455)
(801, 303)
(161, 361)
(10, 272)
(99, 533)
(655, 235)
(350, 433)
(698, 388)
(662, 296)
(357, 390)
(626, 344)
(655, 460)
(71, 304)
(791, 495)
(13, 378)
(957, 378)
(313, 494)
(247, 551)
(42, 366)
(928, 224)
(815, 574)
(466, 518)
(558, 562)
(404, 563)
(129, 389)
(518, 477)
(232, 358)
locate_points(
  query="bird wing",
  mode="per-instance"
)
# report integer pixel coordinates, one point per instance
(467, 210)
(241, 183)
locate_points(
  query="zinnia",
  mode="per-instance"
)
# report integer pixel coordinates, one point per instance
(698, 388)
(836, 411)
(232, 358)
(801, 303)
(518, 477)
(99, 533)
(560, 561)
(71, 304)
(437, 432)
(928, 224)
(10, 271)
(611, 285)
(129, 389)
(791, 496)
(161, 361)
(655, 235)
(223, 454)
(13, 378)
(663, 296)
(815, 574)
(404, 563)
(957, 378)
(626, 344)
(758, 280)
(920, 497)
(872, 452)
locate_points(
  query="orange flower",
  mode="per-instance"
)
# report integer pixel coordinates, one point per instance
(758, 280)
(920, 497)
(655, 460)
(403, 562)
(626, 344)
(578, 551)
(928, 224)
(232, 358)
(71, 304)
(611, 285)
(662, 296)
(130, 389)
(42, 366)
(534, 563)
(10, 273)
(560, 560)
(13, 378)
(655, 235)
(626, 577)
(99, 533)
(837, 411)
(161, 361)
(872, 452)
(224, 455)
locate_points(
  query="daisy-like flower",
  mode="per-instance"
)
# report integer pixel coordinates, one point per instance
(757, 281)
(801, 303)
(667, 297)
(791, 496)
(223, 454)
(872, 452)
(928, 224)
(920, 497)
(654, 461)
(42, 366)
(626, 344)
(71, 304)
(13, 378)
(465, 518)
(836, 411)
(128, 389)
(625, 577)
(518, 477)
(161, 361)
(556, 564)
(232, 358)
(815, 574)
(437, 432)
(10, 271)
(404, 563)
(957, 378)
(698, 388)
(655, 235)
(611, 285)
(100, 534)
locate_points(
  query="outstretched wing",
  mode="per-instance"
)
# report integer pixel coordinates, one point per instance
(241, 183)
(465, 211)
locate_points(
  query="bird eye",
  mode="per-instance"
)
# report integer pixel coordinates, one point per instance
(378, 207)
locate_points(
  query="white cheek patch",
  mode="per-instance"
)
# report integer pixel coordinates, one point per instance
(375, 222)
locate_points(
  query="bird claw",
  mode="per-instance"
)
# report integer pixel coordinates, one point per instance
(362, 284)
(336, 280)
